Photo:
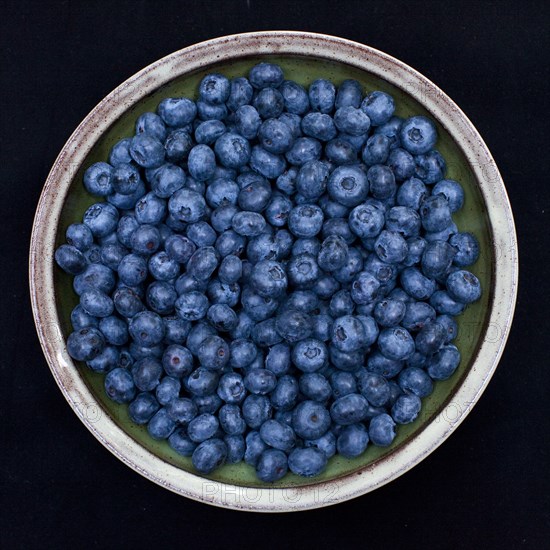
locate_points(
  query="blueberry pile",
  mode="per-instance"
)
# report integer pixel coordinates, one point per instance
(272, 273)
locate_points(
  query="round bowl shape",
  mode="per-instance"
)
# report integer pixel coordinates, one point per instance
(304, 57)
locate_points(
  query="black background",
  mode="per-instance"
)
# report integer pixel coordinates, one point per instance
(487, 485)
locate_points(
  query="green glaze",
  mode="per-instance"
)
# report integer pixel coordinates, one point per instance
(439, 406)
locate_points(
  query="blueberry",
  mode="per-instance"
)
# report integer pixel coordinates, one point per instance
(275, 136)
(278, 359)
(443, 364)
(202, 382)
(349, 409)
(435, 213)
(201, 162)
(312, 179)
(418, 135)
(303, 150)
(267, 164)
(213, 353)
(417, 315)
(152, 125)
(247, 121)
(257, 307)
(322, 95)
(192, 305)
(342, 383)
(349, 93)
(85, 344)
(444, 304)
(96, 303)
(127, 302)
(143, 408)
(430, 338)
(382, 430)
(431, 167)
(80, 236)
(389, 313)
(449, 325)
(177, 146)
(208, 404)
(352, 120)
(260, 381)
(254, 448)
(209, 111)
(365, 288)
(406, 408)
(381, 181)
(209, 455)
(223, 293)
(81, 319)
(265, 75)
(231, 388)
(437, 258)
(352, 441)
(319, 126)
(348, 334)
(277, 435)
(214, 88)
(181, 443)
(256, 410)
(391, 129)
(177, 361)
(235, 448)
(463, 286)
(417, 285)
(104, 362)
(341, 304)
(209, 131)
(120, 152)
(309, 355)
(295, 97)
(269, 103)
(373, 387)
(119, 386)
(70, 259)
(305, 221)
(348, 185)
(285, 395)
(167, 180)
(177, 111)
(179, 248)
(146, 373)
(147, 151)
(98, 179)
(168, 390)
(202, 427)
(114, 329)
(340, 151)
(307, 461)
(278, 210)
(127, 202)
(201, 234)
(269, 278)
(396, 343)
(232, 150)
(379, 106)
(412, 193)
(248, 224)
(315, 387)
(272, 465)
(310, 420)
(294, 325)
(147, 328)
(348, 361)
(416, 247)
(101, 218)
(391, 247)
(240, 93)
(415, 380)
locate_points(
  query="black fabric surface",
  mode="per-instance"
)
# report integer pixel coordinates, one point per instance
(486, 486)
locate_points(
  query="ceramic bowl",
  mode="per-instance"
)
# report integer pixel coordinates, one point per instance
(483, 328)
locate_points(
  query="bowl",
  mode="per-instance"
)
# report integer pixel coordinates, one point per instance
(483, 328)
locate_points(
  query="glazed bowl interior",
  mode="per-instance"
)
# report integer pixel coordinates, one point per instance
(473, 324)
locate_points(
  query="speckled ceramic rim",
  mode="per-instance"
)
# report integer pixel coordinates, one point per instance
(198, 57)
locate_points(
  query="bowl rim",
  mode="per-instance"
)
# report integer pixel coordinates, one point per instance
(198, 56)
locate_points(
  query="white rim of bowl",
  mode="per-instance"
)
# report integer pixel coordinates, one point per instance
(198, 57)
